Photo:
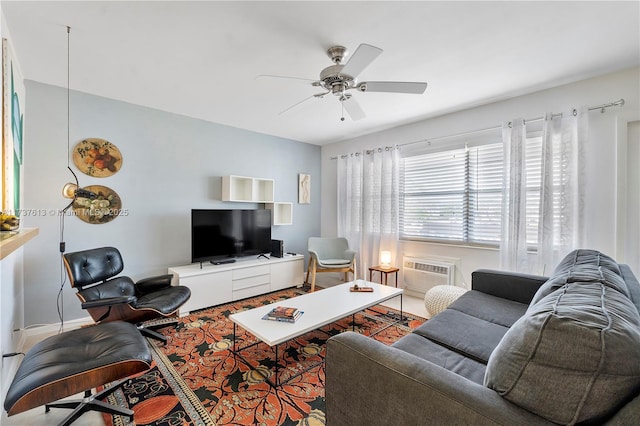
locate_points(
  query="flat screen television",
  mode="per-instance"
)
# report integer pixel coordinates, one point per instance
(222, 235)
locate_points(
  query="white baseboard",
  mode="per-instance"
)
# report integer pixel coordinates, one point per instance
(413, 293)
(51, 329)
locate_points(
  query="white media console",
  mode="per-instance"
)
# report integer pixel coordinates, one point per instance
(215, 284)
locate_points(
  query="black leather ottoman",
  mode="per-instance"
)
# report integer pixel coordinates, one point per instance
(77, 361)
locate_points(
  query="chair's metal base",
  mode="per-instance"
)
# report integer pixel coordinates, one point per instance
(148, 329)
(147, 332)
(91, 403)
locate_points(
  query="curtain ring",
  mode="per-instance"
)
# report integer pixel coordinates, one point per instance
(509, 125)
(575, 112)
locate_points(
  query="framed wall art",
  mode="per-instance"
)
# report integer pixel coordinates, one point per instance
(97, 157)
(304, 188)
(103, 209)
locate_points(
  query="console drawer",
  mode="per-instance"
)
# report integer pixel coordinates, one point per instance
(250, 291)
(251, 272)
(252, 281)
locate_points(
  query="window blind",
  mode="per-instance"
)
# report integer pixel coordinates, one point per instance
(456, 195)
(451, 188)
(433, 205)
(485, 194)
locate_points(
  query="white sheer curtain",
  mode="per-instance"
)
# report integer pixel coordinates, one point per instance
(561, 218)
(368, 186)
(350, 200)
(513, 243)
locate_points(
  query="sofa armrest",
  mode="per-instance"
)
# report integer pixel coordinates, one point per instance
(369, 383)
(507, 285)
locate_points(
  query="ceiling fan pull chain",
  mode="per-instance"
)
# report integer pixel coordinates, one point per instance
(342, 104)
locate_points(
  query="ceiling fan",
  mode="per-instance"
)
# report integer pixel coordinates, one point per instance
(339, 79)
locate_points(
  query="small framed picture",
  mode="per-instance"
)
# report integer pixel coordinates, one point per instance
(304, 188)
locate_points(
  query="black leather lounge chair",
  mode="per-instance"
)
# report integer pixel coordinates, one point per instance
(78, 361)
(108, 297)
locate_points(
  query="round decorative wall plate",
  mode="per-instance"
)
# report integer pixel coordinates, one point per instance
(97, 157)
(102, 209)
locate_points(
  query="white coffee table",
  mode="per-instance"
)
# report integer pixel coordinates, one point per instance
(320, 308)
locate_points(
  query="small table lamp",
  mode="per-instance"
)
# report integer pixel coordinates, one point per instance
(385, 259)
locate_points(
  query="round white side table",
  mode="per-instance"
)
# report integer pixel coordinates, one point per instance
(438, 298)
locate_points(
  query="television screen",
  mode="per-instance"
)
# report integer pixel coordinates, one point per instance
(220, 234)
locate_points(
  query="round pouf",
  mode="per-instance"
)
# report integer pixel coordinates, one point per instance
(438, 298)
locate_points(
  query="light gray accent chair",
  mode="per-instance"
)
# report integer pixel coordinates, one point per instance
(329, 255)
(516, 349)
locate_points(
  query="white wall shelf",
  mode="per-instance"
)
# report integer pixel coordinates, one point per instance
(247, 189)
(281, 213)
(257, 190)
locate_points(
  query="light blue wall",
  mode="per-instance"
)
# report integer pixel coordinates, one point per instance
(171, 164)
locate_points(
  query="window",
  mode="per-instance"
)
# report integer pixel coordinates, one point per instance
(455, 195)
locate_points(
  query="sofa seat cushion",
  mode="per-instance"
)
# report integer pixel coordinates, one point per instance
(439, 355)
(489, 308)
(467, 335)
(573, 356)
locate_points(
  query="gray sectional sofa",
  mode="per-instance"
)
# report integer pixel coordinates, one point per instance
(515, 350)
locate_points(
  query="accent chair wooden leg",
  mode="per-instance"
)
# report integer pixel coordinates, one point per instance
(313, 276)
(306, 280)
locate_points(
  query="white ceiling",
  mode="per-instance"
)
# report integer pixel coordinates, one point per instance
(201, 59)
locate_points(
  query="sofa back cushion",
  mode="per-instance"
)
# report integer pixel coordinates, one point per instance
(574, 355)
(583, 266)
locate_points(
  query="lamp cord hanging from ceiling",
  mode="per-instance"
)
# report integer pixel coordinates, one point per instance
(60, 298)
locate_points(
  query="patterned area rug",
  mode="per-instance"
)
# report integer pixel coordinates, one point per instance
(197, 380)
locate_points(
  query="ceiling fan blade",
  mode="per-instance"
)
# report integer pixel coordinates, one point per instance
(393, 87)
(353, 109)
(319, 95)
(302, 80)
(361, 58)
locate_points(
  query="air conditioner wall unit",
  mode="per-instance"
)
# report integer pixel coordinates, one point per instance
(420, 274)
